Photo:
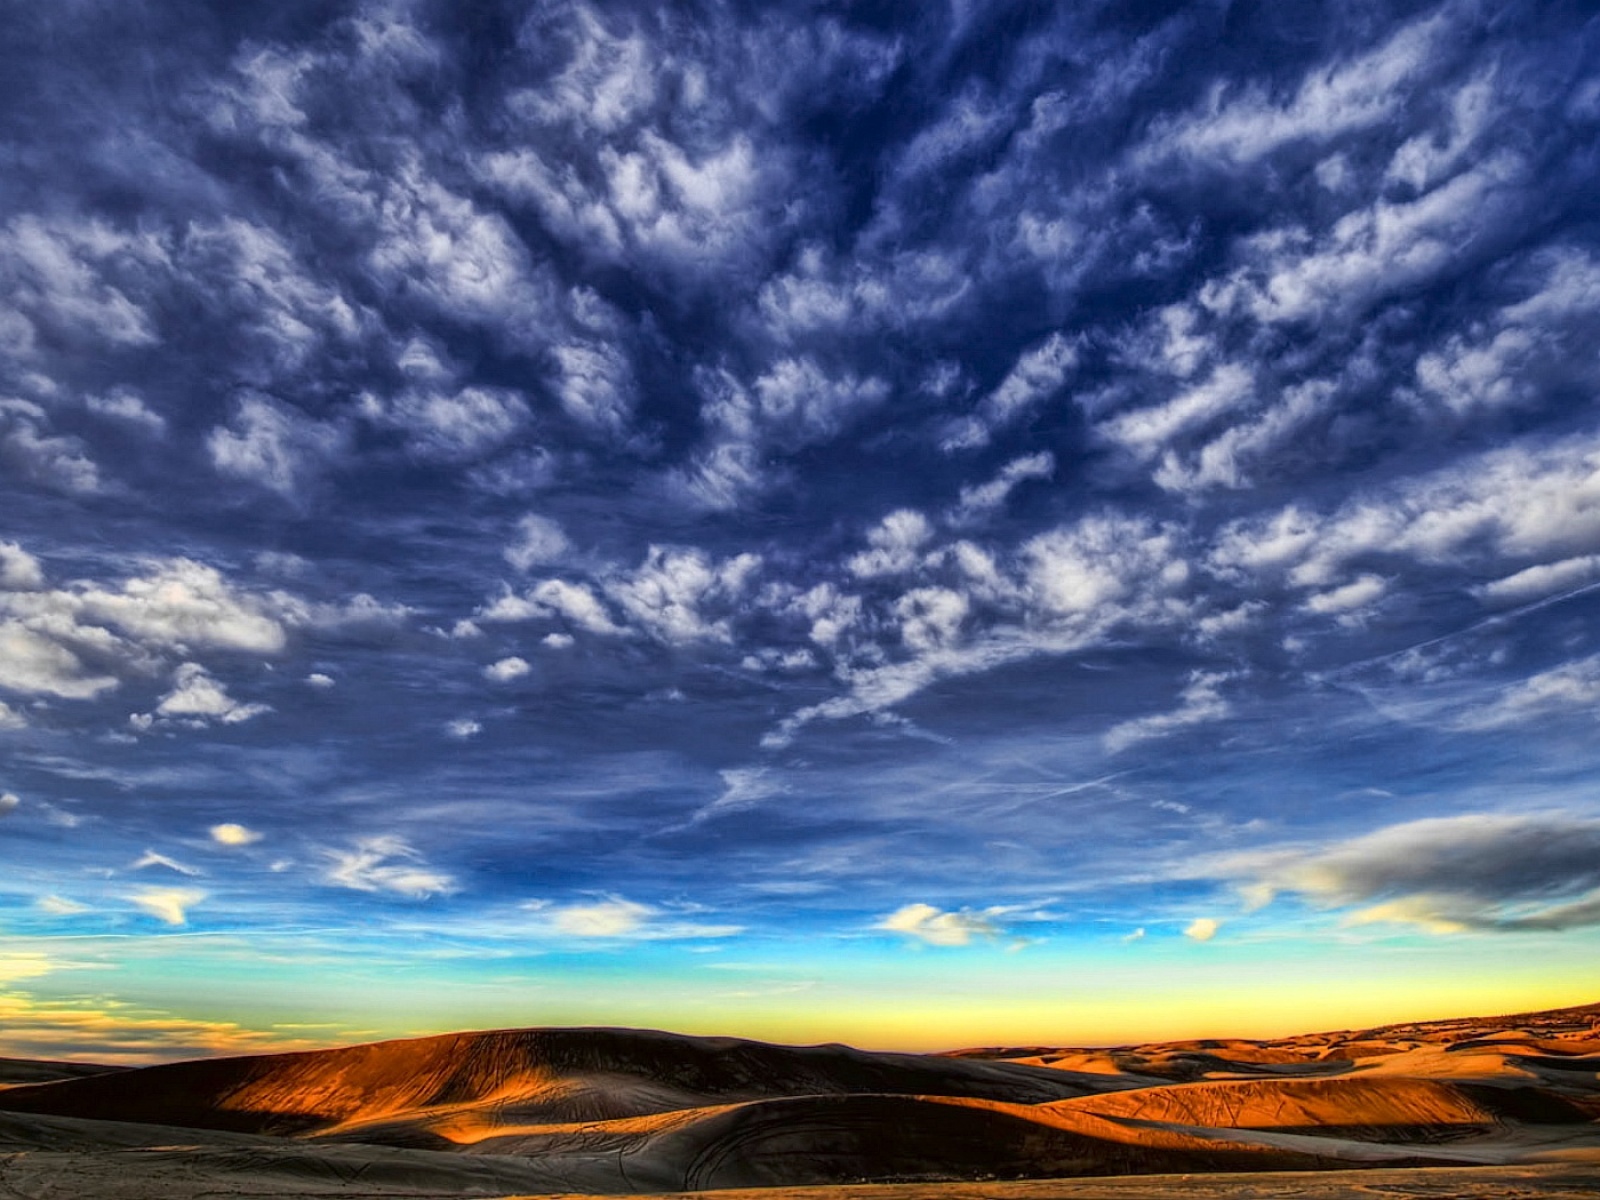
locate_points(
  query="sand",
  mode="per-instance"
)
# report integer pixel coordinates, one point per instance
(1466, 1107)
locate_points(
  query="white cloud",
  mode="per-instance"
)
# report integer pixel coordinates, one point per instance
(984, 498)
(1038, 373)
(1356, 594)
(230, 834)
(668, 594)
(1202, 929)
(129, 408)
(794, 404)
(507, 669)
(151, 859)
(1520, 502)
(1102, 566)
(10, 718)
(1538, 582)
(274, 446)
(575, 602)
(1369, 254)
(451, 426)
(320, 681)
(60, 906)
(197, 696)
(463, 728)
(57, 278)
(1330, 103)
(539, 541)
(183, 604)
(1572, 689)
(1201, 702)
(31, 452)
(596, 385)
(896, 542)
(19, 570)
(742, 788)
(31, 662)
(936, 927)
(617, 918)
(386, 864)
(171, 905)
(1147, 431)
(8, 803)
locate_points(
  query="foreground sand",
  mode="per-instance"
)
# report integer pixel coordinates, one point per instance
(1506, 1106)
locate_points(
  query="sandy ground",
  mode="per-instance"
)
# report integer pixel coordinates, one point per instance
(1502, 1107)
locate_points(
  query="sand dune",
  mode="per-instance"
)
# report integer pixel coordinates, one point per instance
(627, 1111)
(16, 1071)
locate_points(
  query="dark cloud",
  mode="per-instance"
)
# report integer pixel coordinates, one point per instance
(1488, 871)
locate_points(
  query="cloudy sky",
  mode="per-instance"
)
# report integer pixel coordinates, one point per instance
(918, 525)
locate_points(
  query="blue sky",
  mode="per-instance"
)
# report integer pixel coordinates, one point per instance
(795, 519)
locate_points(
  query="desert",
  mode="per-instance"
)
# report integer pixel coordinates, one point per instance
(1495, 1106)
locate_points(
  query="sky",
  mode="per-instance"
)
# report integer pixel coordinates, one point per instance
(915, 525)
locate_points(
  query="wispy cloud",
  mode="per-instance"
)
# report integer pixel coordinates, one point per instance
(385, 864)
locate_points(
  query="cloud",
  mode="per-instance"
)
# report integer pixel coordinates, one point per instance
(10, 718)
(1202, 702)
(197, 698)
(19, 570)
(1536, 500)
(33, 663)
(230, 834)
(1572, 689)
(1332, 101)
(151, 859)
(743, 788)
(25, 965)
(936, 927)
(1146, 432)
(794, 404)
(616, 918)
(449, 426)
(72, 641)
(274, 446)
(896, 542)
(1545, 579)
(1480, 872)
(386, 864)
(668, 594)
(1038, 373)
(463, 728)
(982, 499)
(171, 905)
(60, 906)
(123, 1034)
(506, 669)
(9, 803)
(1202, 929)
(539, 541)
(129, 408)
(574, 602)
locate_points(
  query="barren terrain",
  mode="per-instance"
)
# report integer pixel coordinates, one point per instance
(1505, 1106)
